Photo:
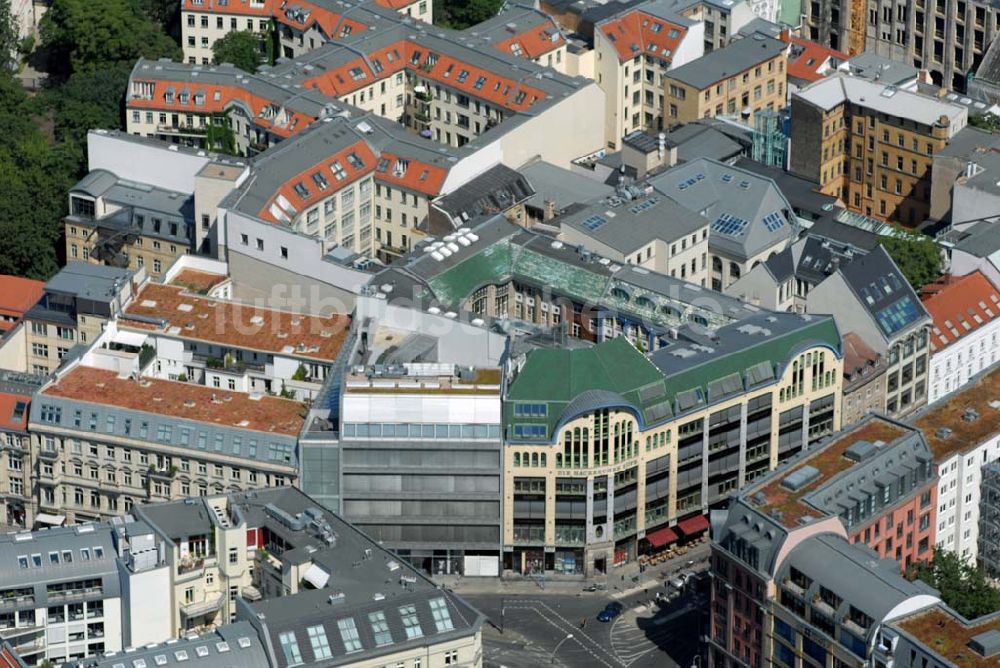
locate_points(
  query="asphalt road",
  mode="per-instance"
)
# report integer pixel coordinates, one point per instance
(535, 627)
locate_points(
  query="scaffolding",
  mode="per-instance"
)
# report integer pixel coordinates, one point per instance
(989, 521)
(770, 141)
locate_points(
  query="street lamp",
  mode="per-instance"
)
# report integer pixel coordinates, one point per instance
(552, 657)
(696, 661)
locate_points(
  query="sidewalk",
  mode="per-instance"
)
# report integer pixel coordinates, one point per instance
(621, 582)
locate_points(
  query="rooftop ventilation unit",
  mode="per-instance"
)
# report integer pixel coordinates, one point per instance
(798, 479)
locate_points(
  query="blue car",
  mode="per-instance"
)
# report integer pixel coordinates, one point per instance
(610, 611)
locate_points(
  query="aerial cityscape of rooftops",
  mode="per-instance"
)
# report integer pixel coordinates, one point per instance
(426, 333)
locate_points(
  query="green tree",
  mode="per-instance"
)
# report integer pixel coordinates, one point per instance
(917, 256)
(243, 49)
(962, 586)
(988, 121)
(34, 178)
(90, 35)
(9, 42)
(460, 14)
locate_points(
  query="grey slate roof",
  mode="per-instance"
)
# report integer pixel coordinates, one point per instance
(562, 186)
(873, 67)
(986, 180)
(723, 63)
(981, 240)
(881, 289)
(702, 140)
(803, 194)
(724, 194)
(494, 191)
(229, 646)
(36, 559)
(855, 574)
(88, 281)
(634, 224)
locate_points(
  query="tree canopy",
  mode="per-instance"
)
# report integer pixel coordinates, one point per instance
(90, 35)
(917, 256)
(241, 48)
(34, 178)
(460, 14)
(9, 43)
(988, 121)
(963, 587)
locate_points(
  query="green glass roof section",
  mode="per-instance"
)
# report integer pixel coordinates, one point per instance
(490, 265)
(561, 277)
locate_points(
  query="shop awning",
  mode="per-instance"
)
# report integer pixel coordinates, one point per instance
(316, 576)
(50, 520)
(693, 525)
(661, 537)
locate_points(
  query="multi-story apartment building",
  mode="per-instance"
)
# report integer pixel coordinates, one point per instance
(297, 29)
(16, 390)
(62, 597)
(646, 231)
(964, 337)
(946, 38)
(864, 379)
(76, 305)
(604, 445)
(878, 477)
(750, 219)
(104, 436)
(737, 81)
(17, 295)
(632, 53)
(497, 269)
(127, 224)
(232, 346)
(421, 461)
(800, 594)
(274, 560)
(870, 297)
(964, 436)
(871, 145)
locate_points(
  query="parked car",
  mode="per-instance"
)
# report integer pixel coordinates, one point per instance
(610, 611)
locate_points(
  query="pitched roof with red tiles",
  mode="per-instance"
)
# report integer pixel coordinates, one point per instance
(237, 7)
(418, 176)
(14, 411)
(961, 306)
(534, 42)
(17, 294)
(638, 32)
(857, 353)
(806, 59)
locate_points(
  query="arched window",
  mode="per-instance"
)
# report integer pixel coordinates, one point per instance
(517, 459)
(734, 270)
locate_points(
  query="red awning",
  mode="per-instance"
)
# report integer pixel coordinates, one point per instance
(693, 525)
(662, 537)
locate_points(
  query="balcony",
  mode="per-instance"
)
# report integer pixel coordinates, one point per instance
(212, 603)
(182, 130)
(75, 593)
(166, 473)
(189, 565)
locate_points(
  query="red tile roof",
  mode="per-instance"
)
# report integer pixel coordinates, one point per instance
(238, 325)
(960, 306)
(8, 402)
(288, 194)
(238, 7)
(805, 62)
(534, 42)
(17, 294)
(857, 353)
(638, 32)
(181, 400)
(217, 99)
(419, 176)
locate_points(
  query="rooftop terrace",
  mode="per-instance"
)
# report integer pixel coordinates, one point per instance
(180, 400)
(190, 316)
(949, 636)
(829, 462)
(423, 379)
(952, 413)
(196, 281)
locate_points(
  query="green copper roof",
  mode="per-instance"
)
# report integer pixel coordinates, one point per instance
(489, 265)
(552, 383)
(610, 373)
